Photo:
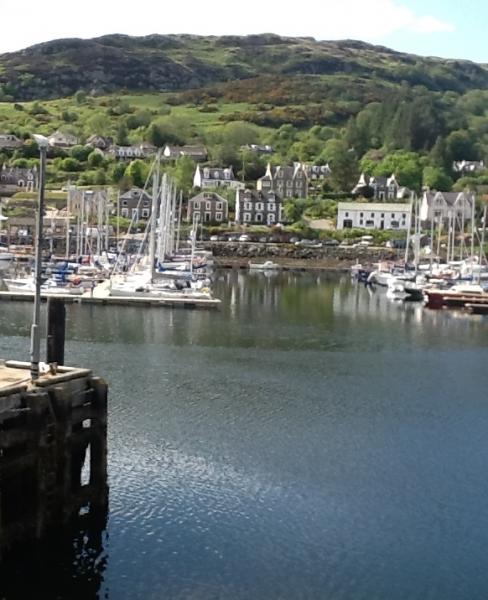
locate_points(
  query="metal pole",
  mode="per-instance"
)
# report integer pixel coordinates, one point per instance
(35, 349)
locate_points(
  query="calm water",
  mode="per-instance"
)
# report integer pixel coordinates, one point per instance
(310, 440)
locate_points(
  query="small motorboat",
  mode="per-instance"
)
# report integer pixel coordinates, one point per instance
(265, 266)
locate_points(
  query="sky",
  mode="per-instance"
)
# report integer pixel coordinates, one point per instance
(446, 28)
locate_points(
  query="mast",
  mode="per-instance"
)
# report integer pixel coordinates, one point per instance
(68, 208)
(179, 221)
(152, 230)
(472, 225)
(482, 242)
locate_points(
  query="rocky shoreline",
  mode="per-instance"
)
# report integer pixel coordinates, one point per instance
(329, 257)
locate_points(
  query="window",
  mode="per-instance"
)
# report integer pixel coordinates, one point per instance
(247, 206)
(208, 217)
(289, 193)
(196, 215)
(271, 218)
(372, 215)
(392, 215)
(145, 203)
(125, 212)
(437, 213)
(404, 216)
(259, 206)
(247, 217)
(271, 206)
(382, 215)
(361, 215)
(346, 214)
(196, 205)
(135, 213)
(289, 184)
(259, 217)
(218, 216)
(347, 224)
(208, 205)
(145, 213)
(369, 223)
(395, 224)
(124, 202)
(218, 205)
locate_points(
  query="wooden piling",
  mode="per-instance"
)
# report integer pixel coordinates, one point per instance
(56, 325)
(46, 434)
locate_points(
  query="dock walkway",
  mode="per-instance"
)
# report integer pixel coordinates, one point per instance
(116, 300)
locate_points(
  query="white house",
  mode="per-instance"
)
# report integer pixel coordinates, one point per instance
(213, 177)
(373, 215)
(446, 205)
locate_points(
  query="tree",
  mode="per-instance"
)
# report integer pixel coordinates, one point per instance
(183, 173)
(80, 152)
(462, 145)
(407, 166)
(138, 171)
(80, 97)
(122, 133)
(437, 179)
(343, 164)
(95, 159)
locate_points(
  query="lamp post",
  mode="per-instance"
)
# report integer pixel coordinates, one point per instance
(35, 348)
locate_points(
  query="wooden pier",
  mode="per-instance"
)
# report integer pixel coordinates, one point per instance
(189, 303)
(53, 453)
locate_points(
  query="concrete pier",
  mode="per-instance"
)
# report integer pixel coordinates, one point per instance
(53, 453)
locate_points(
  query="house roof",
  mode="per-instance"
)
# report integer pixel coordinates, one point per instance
(450, 198)
(258, 195)
(135, 193)
(213, 196)
(217, 173)
(376, 206)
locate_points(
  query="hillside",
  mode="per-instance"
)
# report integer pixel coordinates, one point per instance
(164, 63)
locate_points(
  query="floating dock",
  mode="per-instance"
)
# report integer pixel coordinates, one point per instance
(191, 303)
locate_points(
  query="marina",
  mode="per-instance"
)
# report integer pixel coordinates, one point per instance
(311, 427)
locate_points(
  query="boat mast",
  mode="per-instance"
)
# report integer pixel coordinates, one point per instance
(154, 212)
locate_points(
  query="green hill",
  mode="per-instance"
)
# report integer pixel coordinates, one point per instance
(178, 62)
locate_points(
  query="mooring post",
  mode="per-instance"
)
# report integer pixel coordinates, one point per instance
(56, 318)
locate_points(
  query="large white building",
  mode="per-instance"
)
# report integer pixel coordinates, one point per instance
(443, 206)
(373, 215)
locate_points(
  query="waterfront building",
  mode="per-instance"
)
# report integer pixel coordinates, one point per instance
(444, 206)
(99, 141)
(210, 208)
(373, 215)
(288, 182)
(258, 207)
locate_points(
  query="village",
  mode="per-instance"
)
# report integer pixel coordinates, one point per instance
(225, 206)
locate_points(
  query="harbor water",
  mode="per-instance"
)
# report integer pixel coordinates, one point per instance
(311, 439)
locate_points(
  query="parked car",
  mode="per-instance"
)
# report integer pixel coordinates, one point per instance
(244, 238)
(214, 238)
(294, 240)
(330, 242)
(263, 240)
